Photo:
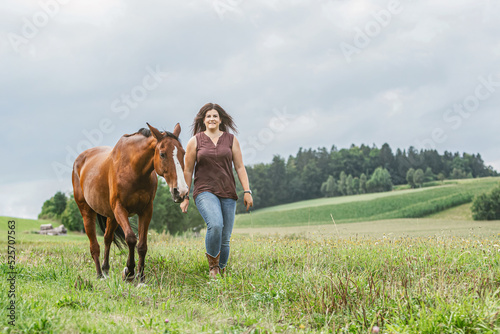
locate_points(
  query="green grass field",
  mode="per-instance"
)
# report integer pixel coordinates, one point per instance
(274, 284)
(26, 231)
(438, 274)
(369, 207)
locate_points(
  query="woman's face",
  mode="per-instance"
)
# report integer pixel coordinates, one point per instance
(212, 120)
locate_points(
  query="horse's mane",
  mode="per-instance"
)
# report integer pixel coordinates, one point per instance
(147, 133)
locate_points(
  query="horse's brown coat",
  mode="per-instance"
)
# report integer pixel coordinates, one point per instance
(120, 182)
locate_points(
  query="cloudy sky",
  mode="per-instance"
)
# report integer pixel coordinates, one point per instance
(298, 73)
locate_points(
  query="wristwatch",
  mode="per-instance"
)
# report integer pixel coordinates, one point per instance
(248, 192)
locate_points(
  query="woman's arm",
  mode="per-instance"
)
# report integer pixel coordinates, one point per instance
(242, 172)
(189, 160)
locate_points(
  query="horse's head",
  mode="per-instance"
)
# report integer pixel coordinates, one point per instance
(169, 161)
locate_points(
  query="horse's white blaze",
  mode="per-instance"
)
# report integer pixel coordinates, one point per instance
(181, 182)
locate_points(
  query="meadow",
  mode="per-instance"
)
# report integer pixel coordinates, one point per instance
(438, 274)
(411, 203)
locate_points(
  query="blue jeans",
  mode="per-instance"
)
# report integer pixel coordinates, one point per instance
(218, 214)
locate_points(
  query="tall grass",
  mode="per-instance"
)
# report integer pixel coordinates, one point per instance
(273, 284)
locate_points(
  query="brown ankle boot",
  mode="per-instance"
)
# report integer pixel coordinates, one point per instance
(213, 264)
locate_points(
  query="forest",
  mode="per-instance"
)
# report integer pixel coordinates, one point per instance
(359, 169)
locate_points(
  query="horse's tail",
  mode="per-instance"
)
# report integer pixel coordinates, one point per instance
(119, 238)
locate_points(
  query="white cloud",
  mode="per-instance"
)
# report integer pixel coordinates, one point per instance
(425, 31)
(94, 12)
(273, 41)
(346, 15)
(24, 199)
(394, 101)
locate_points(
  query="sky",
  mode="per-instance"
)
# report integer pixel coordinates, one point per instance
(297, 73)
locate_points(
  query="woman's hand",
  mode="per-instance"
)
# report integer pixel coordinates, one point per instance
(248, 200)
(184, 205)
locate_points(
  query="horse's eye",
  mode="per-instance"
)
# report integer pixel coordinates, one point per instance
(163, 155)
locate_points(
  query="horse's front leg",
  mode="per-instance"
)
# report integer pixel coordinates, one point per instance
(121, 216)
(142, 246)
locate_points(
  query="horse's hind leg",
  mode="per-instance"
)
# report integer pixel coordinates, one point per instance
(89, 217)
(142, 246)
(111, 226)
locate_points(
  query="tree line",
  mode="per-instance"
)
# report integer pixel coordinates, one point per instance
(167, 216)
(358, 169)
(307, 175)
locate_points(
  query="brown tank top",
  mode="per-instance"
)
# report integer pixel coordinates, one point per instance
(214, 166)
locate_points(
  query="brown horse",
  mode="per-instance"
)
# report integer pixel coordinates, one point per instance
(119, 182)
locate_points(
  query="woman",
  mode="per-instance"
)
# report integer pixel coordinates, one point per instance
(214, 150)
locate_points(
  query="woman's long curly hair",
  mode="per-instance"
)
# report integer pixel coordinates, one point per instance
(226, 119)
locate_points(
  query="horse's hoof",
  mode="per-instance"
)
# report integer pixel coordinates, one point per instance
(126, 276)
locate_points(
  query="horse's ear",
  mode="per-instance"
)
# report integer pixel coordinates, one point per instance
(177, 130)
(157, 134)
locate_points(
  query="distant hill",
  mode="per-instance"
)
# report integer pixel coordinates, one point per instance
(24, 225)
(409, 203)
(315, 173)
(26, 231)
